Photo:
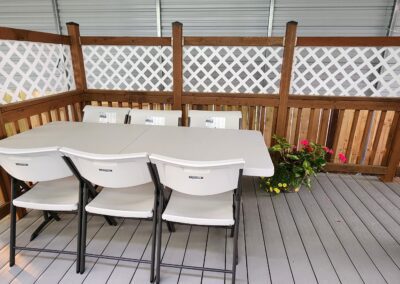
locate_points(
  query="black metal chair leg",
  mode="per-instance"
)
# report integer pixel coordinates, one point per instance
(83, 230)
(54, 215)
(159, 236)
(13, 215)
(171, 227)
(81, 207)
(154, 238)
(39, 229)
(235, 259)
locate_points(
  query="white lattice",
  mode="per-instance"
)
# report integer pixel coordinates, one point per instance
(232, 69)
(31, 69)
(347, 71)
(145, 68)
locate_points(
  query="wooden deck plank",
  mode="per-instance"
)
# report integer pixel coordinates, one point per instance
(257, 263)
(384, 189)
(342, 263)
(321, 263)
(297, 255)
(103, 268)
(215, 255)
(23, 258)
(358, 255)
(60, 265)
(277, 257)
(40, 263)
(23, 224)
(142, 272)
(194, 255)
(378, 199)
(379, 256)
(379, 223)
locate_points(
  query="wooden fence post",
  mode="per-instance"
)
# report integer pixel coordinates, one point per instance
(177, 50)
(77, 58)
(286, 76)
(394, 156)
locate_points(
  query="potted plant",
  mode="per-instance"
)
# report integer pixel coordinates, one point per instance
(295, 166)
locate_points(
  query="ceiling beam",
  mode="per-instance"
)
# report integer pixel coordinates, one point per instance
(271, 17)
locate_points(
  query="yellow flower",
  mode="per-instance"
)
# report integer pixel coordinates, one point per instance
(296, 189)
(284, 185)
(277, 190)
(279, 184)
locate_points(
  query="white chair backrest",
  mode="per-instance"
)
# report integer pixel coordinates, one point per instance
(155, 117)
(198, 177)
(215, 119)
(115, 171)
(40, 164)
(102, 114)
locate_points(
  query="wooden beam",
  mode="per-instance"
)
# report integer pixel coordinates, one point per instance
(110, 40)
(77, 56)
(286, 75)
(230, 99)
(177, 58)
(128, 96)
(26, 35)
(355, 168)
(349, 41)
(394, 156)
(233, 41)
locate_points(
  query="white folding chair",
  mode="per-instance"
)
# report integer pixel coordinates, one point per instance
(102, 114)
(128, 191)
(55, 188)
(156, 117)
(203, 193)
(215, 119)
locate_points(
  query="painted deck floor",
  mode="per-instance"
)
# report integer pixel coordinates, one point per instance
(345, 230)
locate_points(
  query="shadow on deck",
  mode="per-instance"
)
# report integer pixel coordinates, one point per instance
(345, 230)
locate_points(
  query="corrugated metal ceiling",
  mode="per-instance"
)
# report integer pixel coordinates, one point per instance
(207, 17)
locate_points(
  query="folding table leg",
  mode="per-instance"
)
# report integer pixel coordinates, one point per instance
(159, 236)
(110, 220)
(81, 207)
(47, 219)
(235, 258)
(13, 224)
(82, 249)
(154, 237)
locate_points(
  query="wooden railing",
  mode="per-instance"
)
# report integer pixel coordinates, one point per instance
(365, 129)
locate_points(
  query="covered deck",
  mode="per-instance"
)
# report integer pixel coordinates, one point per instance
(345, 230)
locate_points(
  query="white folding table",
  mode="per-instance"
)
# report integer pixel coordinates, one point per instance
(202, 144)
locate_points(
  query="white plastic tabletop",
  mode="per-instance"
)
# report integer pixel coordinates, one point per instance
(201, 144)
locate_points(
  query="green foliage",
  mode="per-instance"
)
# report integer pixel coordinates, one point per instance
(294, 167)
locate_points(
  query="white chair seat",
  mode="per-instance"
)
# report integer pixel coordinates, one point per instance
(130, 202)
(56, 195)
(211, 210)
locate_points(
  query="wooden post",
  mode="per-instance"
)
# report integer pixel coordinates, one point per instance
(286, 76)
(77, 57)
(177, 49)
(394, 157)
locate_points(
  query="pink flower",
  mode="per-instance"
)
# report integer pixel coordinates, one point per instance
(304, 142)
(342, 158)
(327, 150)
(294, 148)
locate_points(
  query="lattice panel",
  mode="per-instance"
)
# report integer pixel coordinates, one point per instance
(142, 68)
(347, 71)
(31, 69)
(232, 69)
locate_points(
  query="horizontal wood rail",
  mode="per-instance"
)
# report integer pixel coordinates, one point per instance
(348, 41)
(145, 41)
(26, 35)
(232, 99)
(21, 110)
(367, 103)
(128, 96)
(233, 41)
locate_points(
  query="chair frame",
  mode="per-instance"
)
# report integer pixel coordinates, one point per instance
(84, 194)
(237, 193)
(17, 186)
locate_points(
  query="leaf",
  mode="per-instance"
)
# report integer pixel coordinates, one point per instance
(293, 157)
